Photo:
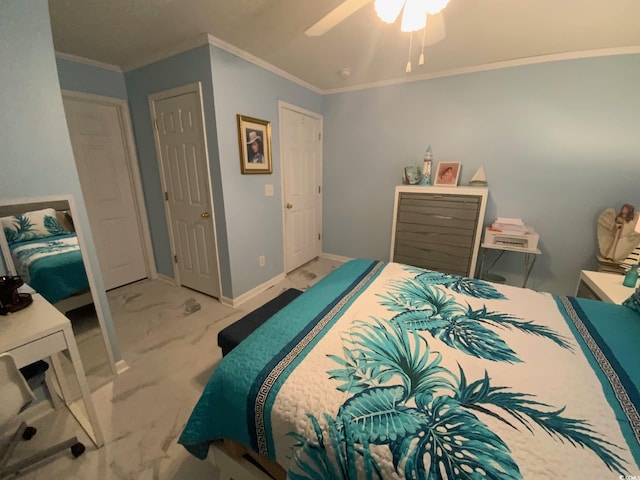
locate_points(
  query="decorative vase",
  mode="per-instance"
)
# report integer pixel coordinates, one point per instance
(631, 278)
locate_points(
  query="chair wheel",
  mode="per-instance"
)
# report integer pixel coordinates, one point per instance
(28, 433)
(77, 449)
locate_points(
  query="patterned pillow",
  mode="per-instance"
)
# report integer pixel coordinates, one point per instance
(32, 226)
(633, 301)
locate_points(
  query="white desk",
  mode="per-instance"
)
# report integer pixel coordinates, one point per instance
(40, 331)
(603, 286)
(530, 256)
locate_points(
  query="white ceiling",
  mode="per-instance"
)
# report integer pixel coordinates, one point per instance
(127, 33)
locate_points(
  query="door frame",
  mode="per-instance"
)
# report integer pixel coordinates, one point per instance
(124, 115)
(196, 88)
(282, 105)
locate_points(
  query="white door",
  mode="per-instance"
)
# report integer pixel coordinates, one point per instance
(98, 141)
(182, 150)
(301, 138)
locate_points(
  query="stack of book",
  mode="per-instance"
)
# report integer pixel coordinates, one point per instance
(510, 226)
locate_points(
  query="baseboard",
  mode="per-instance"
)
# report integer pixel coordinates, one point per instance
(337, 258)
(236, 301)
(121, 366)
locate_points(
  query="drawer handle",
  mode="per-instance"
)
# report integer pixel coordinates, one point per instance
(444, 217)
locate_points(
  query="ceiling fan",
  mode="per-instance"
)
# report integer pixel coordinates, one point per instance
(416, 13)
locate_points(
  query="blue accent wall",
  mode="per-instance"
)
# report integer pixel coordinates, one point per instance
(248, 224)
(89, 79)
(188, 67)
(558, 141)
(37, 159)
(254, 221)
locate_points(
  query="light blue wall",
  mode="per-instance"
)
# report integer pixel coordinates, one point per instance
(37, 159)
(89, 79)
(254, 222)
(248, 224)
(185, 68)
(559, 143)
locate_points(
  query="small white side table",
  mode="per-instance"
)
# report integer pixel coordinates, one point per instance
(530, 256)
(603, 286)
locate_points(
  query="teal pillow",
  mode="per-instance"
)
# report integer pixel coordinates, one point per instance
(633, 301)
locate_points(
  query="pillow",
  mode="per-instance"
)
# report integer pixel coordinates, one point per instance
(32, 226)
(633, 301)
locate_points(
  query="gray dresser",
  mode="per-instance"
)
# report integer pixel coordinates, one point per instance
(438, 228)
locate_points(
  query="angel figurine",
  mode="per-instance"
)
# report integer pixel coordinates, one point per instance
(616, 235)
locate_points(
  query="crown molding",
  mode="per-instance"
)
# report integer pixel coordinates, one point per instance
(87, 61)
(216, 42)
(209, 39)
(205, 39)
(185, 46)
(557, 57)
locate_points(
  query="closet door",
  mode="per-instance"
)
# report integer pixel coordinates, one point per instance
(99, 148)
(438, 229)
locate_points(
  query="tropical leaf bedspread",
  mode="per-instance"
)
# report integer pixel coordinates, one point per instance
(52, 266)
(383, 370)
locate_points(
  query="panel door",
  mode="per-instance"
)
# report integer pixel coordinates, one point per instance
(301, 165)
(97, 138)
(180, 133)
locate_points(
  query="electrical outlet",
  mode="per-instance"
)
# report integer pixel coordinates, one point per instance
(262, 260)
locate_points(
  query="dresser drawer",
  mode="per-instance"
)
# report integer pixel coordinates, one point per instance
(438, 228)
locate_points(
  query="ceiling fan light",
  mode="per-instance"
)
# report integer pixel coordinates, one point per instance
(436, 6)
(414, 17)
(388, 10)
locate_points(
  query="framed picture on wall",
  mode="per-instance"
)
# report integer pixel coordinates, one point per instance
(447, 174)
(254, 137)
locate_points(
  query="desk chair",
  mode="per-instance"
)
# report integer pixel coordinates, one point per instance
(15, 396)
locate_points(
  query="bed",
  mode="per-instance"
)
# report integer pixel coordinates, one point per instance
(44, 251)
(383, 370)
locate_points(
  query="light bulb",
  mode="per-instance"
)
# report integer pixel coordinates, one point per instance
(414, 17)
(388, 10)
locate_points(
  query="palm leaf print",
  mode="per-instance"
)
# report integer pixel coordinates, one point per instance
(471, 337)
(526, 410)
(396, 352)
(505, 320)
(53, 226)
(352, 374)
(376, 416)
(11, 234)
(467, 286)
(24, 225)
(456, 445)
(412, 295)
(315, 460)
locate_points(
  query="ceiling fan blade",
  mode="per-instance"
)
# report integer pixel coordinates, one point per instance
(436, 30)
(335, 16)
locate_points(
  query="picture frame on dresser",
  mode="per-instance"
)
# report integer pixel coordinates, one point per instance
(447, 174)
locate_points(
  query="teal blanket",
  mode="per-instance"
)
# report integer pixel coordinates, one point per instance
(383, 370)
(53, 267)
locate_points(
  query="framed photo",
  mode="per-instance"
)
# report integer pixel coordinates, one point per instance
(254, 137)
(447, 174)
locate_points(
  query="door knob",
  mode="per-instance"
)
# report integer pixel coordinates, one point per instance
(289, 205)
(205, 215)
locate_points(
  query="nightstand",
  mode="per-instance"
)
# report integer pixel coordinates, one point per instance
(603, 286)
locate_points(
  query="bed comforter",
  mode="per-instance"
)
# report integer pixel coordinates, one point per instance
(383, 370)
(53, 266)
